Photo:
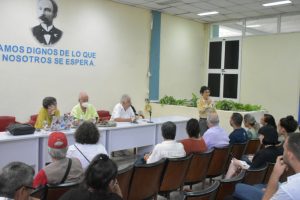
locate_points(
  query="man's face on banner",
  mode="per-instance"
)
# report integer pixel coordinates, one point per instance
(45, 11)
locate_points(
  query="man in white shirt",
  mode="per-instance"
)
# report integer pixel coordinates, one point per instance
(122, 111)
(169, 148)
(291, 158)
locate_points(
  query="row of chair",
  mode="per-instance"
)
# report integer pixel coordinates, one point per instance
(165, 176)
(5, 121)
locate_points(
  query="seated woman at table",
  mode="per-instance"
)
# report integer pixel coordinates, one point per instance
(100, 182)
(47, 112)
(194, 143)
(169, 148)
(268, 136)
(87, 144)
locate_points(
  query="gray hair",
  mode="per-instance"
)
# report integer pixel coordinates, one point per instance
(13, 176)
(213, 118)
(58, 154)
(125, 98)
(250, 119)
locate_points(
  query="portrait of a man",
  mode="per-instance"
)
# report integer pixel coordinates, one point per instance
(45, 32)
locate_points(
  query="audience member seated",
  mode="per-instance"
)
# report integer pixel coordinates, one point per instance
(46, 113)
(99, 182)
(194, 143)
(122, 111)
(275, 190)
(215, 136)
(268, 119)
(87, 144)
(84, 111)
(252, 125)
(287, 125)
(169, 148)
(267, 136)
(57, 170)
(16, 181)
(238, 135)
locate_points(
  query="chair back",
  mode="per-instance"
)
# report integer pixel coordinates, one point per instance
(269, 172)
(145, 180)
(208, 193)
(53, 192)
(103, 115)
(227, 186)
(124, 177)
(174, 174)
(198, 167)
(218, 162)
(255, 176)
(5, 121)
(32, 119)
(253, 145)
(238, 150)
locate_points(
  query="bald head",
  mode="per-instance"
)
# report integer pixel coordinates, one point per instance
(212, 119)
(83, 97)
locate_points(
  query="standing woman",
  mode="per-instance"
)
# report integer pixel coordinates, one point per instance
(204, 105)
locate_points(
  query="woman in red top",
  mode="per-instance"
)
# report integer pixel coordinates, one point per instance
(194, 143)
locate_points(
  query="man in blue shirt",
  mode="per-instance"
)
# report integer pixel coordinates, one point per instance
(238, 135)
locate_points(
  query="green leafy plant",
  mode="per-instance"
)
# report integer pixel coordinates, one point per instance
(231, 105)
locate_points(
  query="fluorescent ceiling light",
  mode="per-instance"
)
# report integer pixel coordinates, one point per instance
(208, 13)
(277, 3)
(253, 26)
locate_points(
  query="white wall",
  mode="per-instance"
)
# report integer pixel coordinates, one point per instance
(119, 34)
(271, 73)
(182, 57)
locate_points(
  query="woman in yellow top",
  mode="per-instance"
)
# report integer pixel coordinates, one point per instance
(47, 112)
(204, 105)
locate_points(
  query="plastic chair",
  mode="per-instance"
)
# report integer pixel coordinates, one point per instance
(206, 194)
(124, 178)
(198, 168)
(32, 119)
(174, 174)
(104, 115)
(145, 180)
(5, 121)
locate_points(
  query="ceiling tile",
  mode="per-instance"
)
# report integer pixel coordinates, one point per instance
(205, 6)
(290, 8)
(153, 5)
(174, 11)
(221, 3)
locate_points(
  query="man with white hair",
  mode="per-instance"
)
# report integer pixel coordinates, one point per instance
(84, 111)
(122, 111)
(61, 169)
(215, 136)
(16, 181)
(46, 33)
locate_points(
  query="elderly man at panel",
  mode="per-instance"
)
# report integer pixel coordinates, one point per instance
(169, 148)
(46, 33)
(16, 181)
(215, 136)
(84, 111)
(47, 112)
(122, 111)
(239, 134)
(62, 169)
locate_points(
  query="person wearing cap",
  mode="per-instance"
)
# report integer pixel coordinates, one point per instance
(84, 110)
(268, 136)
(57, 171)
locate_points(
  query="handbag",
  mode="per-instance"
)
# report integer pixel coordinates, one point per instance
(20, 129)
